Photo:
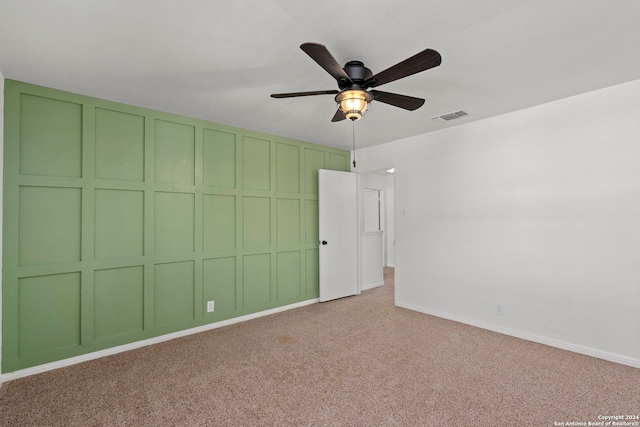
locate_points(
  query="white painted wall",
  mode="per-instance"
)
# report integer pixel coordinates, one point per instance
(1, 199)
(390, 229)
(536, 210)
(371, 254)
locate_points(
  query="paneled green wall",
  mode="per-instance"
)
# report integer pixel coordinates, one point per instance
(120, 223)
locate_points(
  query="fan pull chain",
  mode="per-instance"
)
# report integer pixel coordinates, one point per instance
(353, 126)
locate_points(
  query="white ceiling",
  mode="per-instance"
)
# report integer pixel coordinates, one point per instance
(220, 60)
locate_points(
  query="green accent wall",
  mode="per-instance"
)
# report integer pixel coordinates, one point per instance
(120, 223)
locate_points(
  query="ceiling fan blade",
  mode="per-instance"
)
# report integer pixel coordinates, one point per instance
(294, 94)
(323, 57)
(403, 101)
(422, 61)
(339, 116)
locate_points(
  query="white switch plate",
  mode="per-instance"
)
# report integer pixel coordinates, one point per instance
(210, 306)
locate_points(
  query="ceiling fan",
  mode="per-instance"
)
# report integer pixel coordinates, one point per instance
(354, 80)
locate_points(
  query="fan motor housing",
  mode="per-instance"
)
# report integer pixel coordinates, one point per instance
(357, 72)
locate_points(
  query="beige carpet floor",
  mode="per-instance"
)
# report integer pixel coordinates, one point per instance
(357, 361)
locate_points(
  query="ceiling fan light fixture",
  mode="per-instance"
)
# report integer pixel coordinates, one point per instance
(354, 103)
(354, 80)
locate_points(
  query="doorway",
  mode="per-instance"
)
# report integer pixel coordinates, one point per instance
(376, 195)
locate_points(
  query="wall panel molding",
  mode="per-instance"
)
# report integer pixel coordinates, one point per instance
(122, 222)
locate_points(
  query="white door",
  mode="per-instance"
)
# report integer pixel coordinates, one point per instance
(371, 202)
(338, 220)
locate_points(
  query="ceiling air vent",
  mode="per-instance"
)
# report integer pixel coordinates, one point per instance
(450, 116)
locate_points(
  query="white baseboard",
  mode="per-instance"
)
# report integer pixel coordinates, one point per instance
(372, 285)
(588, 351)
(138, 344)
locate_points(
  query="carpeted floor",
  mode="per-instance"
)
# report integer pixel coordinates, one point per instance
(357, 361)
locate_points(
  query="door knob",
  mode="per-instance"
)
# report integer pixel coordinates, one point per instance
(324, 242)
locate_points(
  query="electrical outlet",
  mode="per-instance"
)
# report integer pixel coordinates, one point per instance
(210, 306)
(500, 309)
